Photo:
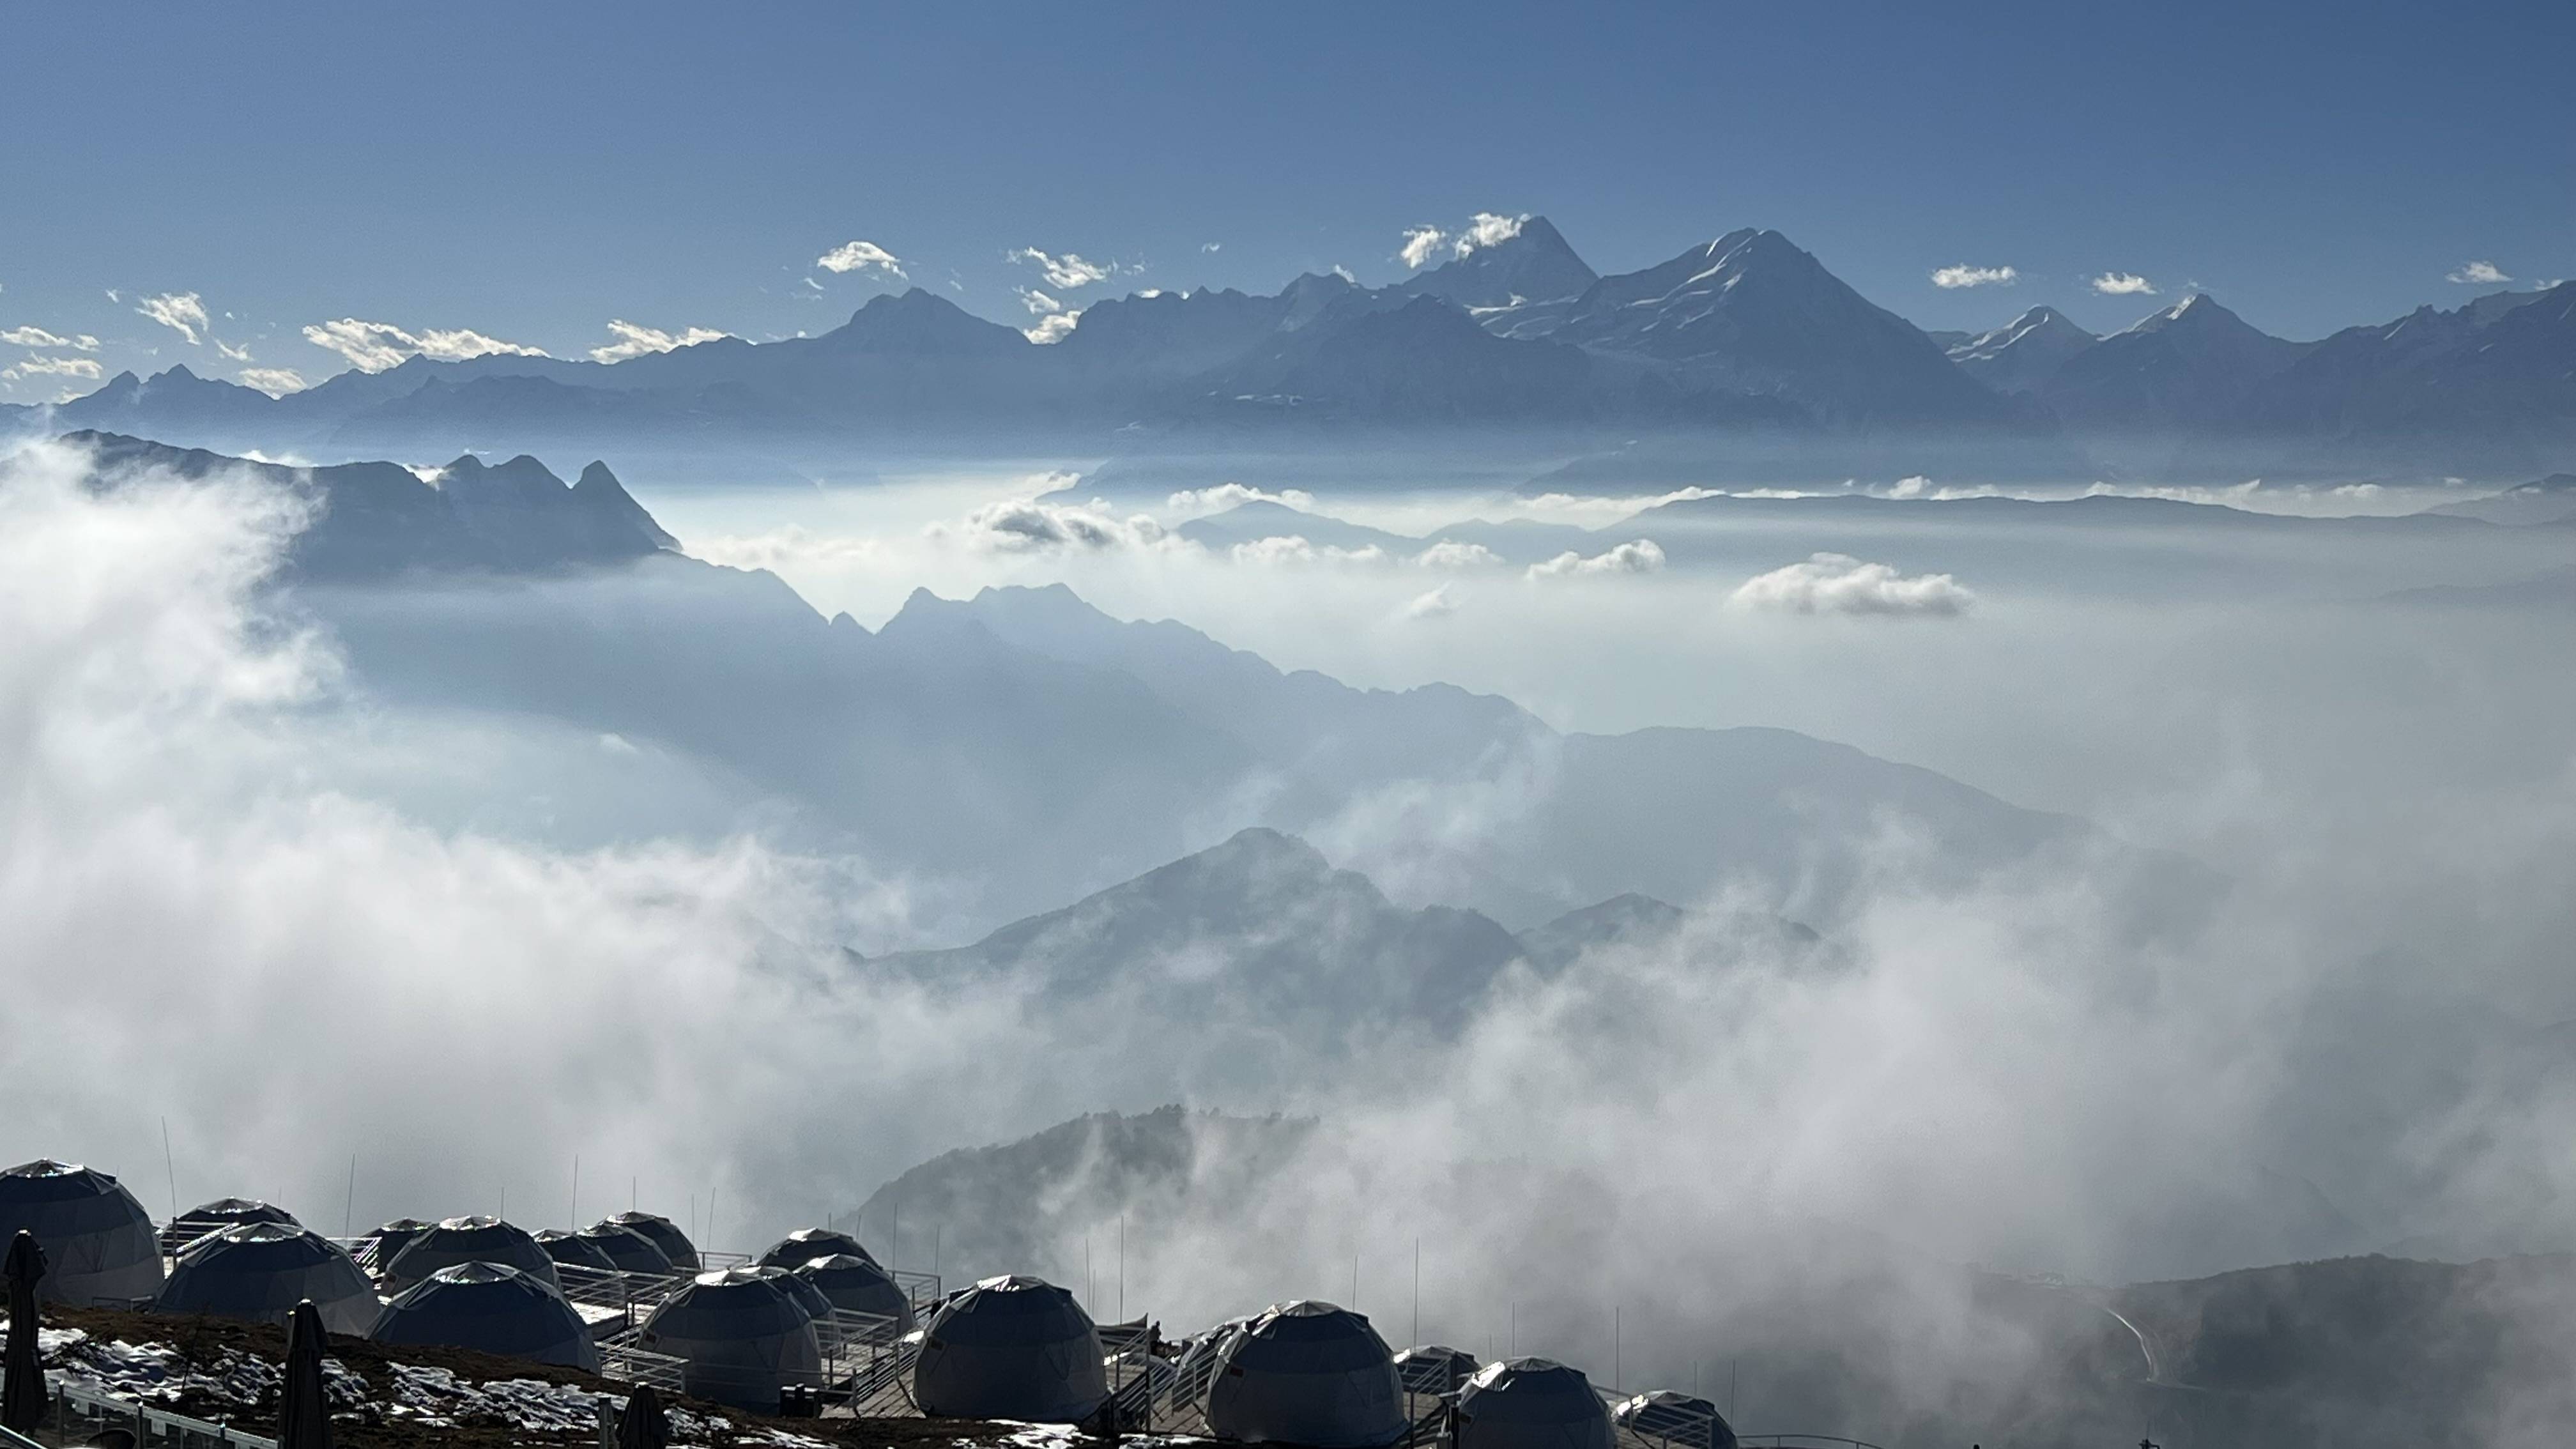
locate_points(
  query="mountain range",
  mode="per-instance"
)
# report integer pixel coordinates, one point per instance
(1745, 348)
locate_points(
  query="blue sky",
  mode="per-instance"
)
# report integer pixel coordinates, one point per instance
(530, 173)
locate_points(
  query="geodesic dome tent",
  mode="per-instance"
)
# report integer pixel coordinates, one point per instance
(574, 1250)
(381, 1247)
(257, 1272)
(99, 1240)
(664, 1234)
(806, 1244)
(1435, 1368)
(817, 1308)
(855, 1285)
(491, 1308)
(1306, 1373)
(1671, 1417)
(629, 1250)
(222, 1213)
(1010, 1348)
(1531, 1403)
(473, 1240)
(741, 1335)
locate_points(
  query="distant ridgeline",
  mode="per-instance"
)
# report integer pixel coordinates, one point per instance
(375, 519)
(1746, 338)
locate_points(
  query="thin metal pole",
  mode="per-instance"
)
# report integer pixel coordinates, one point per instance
(1516, 1328)
(349, 1209)
(1615, 1379)
(572, 1209)
(170, 1165)
(711, 1216)
(1417, 1290)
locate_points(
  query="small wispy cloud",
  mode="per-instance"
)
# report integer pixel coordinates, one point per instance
(39, 365)
(2480, 274)
(34, 336)
(181, 312)
(1643, 556)
(1052, 329)
(229, 351)
(1967, 276)
(1449, 553)
(1068, 271)
(1439, 603)
(1836, 583)
(2123, 284)
(1486, 229)
(860, 256)
(1421, 244)
(375, 346)
(635, 340)
(275, 381)
(1038, 303)
(1211, 246)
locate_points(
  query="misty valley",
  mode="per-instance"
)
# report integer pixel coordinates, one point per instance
(1078, 781)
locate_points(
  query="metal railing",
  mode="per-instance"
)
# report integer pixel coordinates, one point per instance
(150, 1425)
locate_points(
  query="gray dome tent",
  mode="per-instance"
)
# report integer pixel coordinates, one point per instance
(1675, 1418)
(1435, 1368)
(574, 1250)
(490, 1308)
(664, 1234)
(1306, 1373)
(742, 1336)
(1531, 1403)
(386, 1243)
(855, 1285)
(473, 1240)
(222, 1213)
(259, 1271)
(629, 1250)
(817, 1308)
(98, 1238)
(1010, 1348)
(806, 1244)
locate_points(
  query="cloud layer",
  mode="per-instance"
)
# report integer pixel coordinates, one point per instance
(1643, 556)
(635, 340)
(2123, 284)
(1967, 276)
(1833, 583)
(860, 256)
(376, 346)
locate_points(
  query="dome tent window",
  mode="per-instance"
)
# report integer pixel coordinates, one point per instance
(97, 1237)
(1011, 1348)
(258, 1271)
(490, 1308)
(1306, 1373)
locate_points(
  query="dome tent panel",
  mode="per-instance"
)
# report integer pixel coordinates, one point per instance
(1306, 1373)
(99, 1240)
(224, 1212)
(258, 1271)
(492, 1309)
(574, 1251)
(1531, 1403)
(473, 1240)
(806, 1244)
(1011, 1348)
(664, 1234)
(385, 1244)
(855, 1285)
(741, 1335)
(630, 1250)
(1671, 1417)
(1435, 1368)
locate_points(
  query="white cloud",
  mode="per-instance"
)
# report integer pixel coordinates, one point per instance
(1212, 246)
(2123, 284)
(1967, 276)
(634, 340)
(1038, 303)
(38, 365)
(375, 346)
(275, 381)
(181, 312)
(859, 256)
(33, 336)
(1052, 329)
(1641, 557)
(2480, 274)
(1449, 553)
(1834, 583)
(1439, 603)
(1486, 229)
(1344, 273)
(1066, 272)
(1198, 502)
(1293, 550)
(230, 352)
(1031, 525)
(1421, 244)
